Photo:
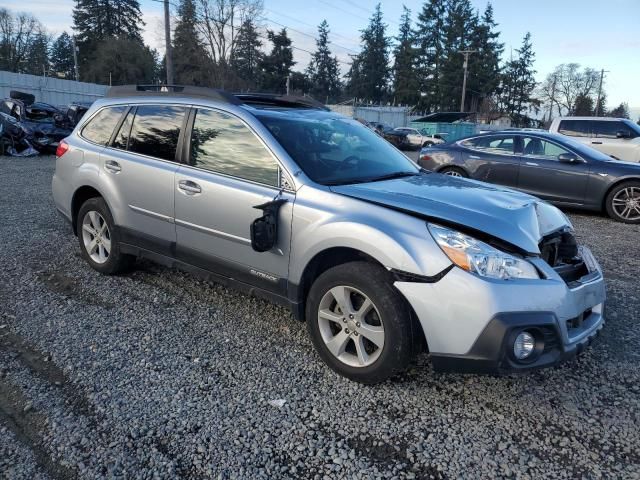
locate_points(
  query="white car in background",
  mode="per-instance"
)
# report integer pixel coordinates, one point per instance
(617, 137)
(418, 139)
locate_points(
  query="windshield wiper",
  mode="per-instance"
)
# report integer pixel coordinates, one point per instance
(388, 176)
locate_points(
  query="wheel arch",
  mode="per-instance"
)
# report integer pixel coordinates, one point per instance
(610, 188)
(81, 195)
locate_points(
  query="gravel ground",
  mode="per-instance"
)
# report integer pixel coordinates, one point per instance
(157, 374)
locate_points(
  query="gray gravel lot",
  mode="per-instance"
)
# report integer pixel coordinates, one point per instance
(157, 374)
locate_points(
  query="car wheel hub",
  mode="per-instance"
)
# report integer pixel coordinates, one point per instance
(351, 326)
(96, 237)
(626, 203)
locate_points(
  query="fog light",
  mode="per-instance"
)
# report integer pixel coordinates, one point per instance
(524, 345)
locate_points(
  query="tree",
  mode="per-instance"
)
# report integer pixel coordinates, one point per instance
(566, 84)
(62, 56)
(323, 70)
(276, 66)
(17, 33)
(518, 85)
(460, 22)
(38, 55)
(429, 44)
(584, 106)
(121, 60)
(484, 64)
(371, 79)
(248, 55)
(97, 20)
(621, 111)
(190, 60)
(405, 81)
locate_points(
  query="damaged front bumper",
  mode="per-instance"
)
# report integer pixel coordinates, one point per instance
(470, 323)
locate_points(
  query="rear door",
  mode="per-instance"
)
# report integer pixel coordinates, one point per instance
(492, 158)
(607, 139)
(229, 172)
(579, 130)
(141, 163)
(543, 175)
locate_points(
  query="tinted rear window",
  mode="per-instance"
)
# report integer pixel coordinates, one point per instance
(100, 127)
(155, 130)
(575, 128)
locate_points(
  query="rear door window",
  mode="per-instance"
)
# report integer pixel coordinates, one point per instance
(575, 128)
(100, 127)
(122, 138)
(609, 129)
(156, 129)
(501, 145)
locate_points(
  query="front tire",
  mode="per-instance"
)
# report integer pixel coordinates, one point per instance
(99, 240)
(623, 202)
(359, 324)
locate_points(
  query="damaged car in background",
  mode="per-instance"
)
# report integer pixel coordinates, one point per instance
(28, 127)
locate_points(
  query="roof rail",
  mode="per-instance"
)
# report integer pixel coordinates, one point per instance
(278, 100)
(171, 91)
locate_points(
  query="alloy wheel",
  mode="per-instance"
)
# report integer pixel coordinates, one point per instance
(96, 237)
(453, 173)
(351, 326)
(626, 203)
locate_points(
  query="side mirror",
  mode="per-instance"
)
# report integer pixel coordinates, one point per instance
(622, 134)
(264, 230)
(569, 158)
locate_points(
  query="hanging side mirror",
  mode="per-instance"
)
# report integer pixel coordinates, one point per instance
(569, 158)
(264, 230)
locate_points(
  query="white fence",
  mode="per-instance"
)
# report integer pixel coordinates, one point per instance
(50, 90)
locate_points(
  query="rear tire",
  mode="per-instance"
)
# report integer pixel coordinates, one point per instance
(454, 172)
(99, 239)
(623, 202)
(427, 144)
(359, 324)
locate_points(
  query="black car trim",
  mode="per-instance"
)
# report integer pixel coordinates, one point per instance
(170, 254)
(401, 276)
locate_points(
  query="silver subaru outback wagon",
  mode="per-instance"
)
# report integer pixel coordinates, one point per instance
(281, 198)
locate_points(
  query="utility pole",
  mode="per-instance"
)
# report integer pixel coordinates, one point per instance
(553, 96)
(288, 83)
(167, 42)
(602, 72)
(466, 54)
(75, 58)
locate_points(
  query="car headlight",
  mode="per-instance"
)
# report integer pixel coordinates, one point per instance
(477, 257)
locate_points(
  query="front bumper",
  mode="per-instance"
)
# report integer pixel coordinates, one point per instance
(470, 322)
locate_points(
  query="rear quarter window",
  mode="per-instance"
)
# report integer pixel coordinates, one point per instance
(100, 127)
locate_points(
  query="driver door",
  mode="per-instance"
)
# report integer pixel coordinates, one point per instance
(229, 173)
(543, 175)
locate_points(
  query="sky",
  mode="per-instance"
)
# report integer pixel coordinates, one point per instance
(589, 32)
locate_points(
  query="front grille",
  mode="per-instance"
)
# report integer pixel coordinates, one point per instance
(550, 339)
(575, 324)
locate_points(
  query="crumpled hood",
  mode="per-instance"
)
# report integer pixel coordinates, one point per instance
(513, 217)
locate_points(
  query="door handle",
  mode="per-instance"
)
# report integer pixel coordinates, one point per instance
(189, 187)
(532, 164)
(112, 166)
(596, 143)
(473, 157)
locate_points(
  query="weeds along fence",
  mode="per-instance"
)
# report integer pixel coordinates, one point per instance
(54, 91)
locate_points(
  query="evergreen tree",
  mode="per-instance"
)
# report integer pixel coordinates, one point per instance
(584, 106)
(121, 60)
(97, 20)
(621, 111)
(460, 23)
(276, 66)
(62, 57)
(323, 70)
(190, 59)
(247, 55)
(372, 78)
(484, 65)
(429, 43)
(405, 81)
(518, 84)
(38, 55)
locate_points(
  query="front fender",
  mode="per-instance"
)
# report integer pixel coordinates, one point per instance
(324, 220)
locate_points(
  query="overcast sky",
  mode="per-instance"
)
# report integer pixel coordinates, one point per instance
(590, 32)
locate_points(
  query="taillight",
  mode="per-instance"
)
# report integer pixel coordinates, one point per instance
(425, 158)
(63, 147)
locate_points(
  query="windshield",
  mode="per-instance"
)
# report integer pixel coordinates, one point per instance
(633, 126)
(580, 148)
(335, 150)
